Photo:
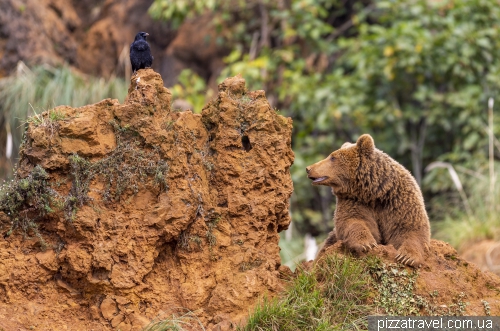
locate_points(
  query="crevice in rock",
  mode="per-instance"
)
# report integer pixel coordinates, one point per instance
(245, 141)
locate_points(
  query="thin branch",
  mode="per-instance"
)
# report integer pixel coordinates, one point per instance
(491, 154)
(348, 24)
(252, 54)
(264, 26)
(456, 181)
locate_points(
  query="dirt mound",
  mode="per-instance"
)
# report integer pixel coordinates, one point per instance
(144, 211)
(445, 285)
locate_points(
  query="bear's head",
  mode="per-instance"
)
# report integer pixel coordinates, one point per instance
(339, 169)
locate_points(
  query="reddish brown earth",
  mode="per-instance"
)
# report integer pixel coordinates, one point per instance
(207, 244)
(448, 274)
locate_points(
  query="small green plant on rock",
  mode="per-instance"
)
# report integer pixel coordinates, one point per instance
(25, 200)
(396, 286)
(487, 309)
(211, 239)
(47, 119)
(183, 242)
(244, 266)
(339, 292)
(196, 240)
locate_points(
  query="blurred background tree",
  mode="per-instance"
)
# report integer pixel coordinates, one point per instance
(416, 74)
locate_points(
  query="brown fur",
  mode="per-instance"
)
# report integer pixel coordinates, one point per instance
(378, 201)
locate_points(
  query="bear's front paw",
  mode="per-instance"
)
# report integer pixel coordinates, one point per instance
(409, 257)
(362, 247)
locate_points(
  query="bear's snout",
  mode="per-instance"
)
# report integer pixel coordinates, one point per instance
(313, 174)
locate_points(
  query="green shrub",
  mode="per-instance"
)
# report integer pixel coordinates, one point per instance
(26, 200)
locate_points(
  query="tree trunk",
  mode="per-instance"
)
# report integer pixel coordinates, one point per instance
(417, 136)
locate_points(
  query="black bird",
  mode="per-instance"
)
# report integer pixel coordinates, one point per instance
(140, 53)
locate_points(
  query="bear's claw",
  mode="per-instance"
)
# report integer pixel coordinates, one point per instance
(401, 257)
(369, 246)
(405, 259)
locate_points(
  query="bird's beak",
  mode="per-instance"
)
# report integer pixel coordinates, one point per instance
(147, 34)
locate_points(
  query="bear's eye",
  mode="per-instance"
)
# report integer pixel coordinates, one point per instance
(332, 158)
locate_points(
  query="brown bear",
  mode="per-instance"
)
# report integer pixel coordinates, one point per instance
(378, 201)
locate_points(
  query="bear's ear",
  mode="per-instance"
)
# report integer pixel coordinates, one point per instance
(365, 144)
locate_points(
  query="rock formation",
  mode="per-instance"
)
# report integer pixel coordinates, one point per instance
(146, 211)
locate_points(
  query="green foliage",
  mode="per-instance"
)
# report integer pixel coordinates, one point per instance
(340, 291)
(396, 285)
(422, 75)
(46, 119)
(191, 87)
(175, 12)
(29, 91)
(330, 297)
(124, 169)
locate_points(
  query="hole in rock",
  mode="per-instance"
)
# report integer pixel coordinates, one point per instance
(211, 137)
(100, 274)
(246, 143)
(270, 228)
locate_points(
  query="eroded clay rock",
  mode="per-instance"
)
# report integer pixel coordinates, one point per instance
(180, 211)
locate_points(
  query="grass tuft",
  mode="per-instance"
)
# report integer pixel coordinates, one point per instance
(331, 296)
(461, 226)
(175, 322)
